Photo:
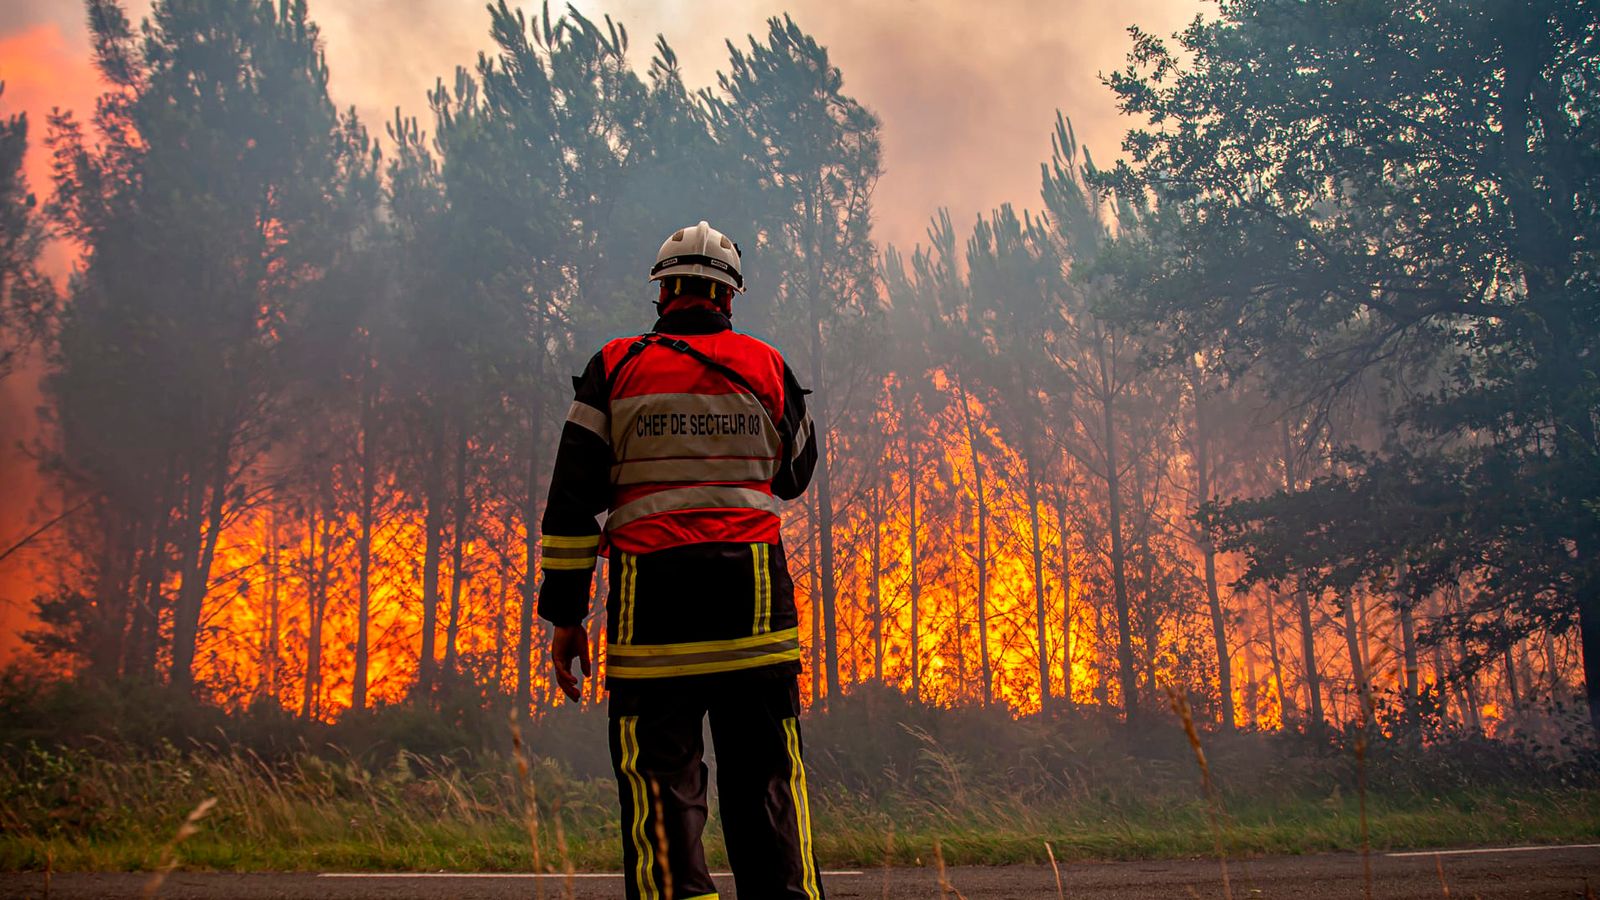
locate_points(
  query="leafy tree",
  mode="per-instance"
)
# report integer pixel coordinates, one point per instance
(815, 152)
(201, 211)
(1365, 181)
(26, 297)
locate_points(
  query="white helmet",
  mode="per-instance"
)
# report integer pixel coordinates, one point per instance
(699, 251)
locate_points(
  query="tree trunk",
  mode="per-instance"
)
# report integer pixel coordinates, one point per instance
(983, 547)
(498, 673)
(145, 625)
(1119, 565)
(271, 651)
(196, 580)
(317, 564)
(1552, 669)
(1511, 680)
(358, 685)
(1408, 648)
(816, 604)
(1208, 553)
(1066, 602)
(1308, 643)
(875, 551)
(530, 524)
(915, 639)
(433, 547)
(1287, 708)
(1042, 625)
(1358, 664)
(1102, 683)
(1247, 646)
(458, 575)
(824, 477)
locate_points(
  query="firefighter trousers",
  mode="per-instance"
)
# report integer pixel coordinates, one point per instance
(658, 754)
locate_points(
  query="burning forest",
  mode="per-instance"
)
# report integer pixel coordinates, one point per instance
(1290, 407)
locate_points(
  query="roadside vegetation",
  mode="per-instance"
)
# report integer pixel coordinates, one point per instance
(96, 780)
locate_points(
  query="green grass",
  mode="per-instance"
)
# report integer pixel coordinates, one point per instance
(73, 812)
(93, 781)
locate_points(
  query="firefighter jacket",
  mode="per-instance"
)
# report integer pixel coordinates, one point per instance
(687, 438)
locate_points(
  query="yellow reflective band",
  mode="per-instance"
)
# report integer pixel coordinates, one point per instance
(620, 668)
(560, 564)
(561, 542)
(630, 579)
(628, 728)
(802, 808)
(702, 897)
(763, 588)
(743, 643)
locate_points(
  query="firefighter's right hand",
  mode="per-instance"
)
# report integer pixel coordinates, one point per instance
(568, 642)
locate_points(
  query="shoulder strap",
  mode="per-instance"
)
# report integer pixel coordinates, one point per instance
(687, 349)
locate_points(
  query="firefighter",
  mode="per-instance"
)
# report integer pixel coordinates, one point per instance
(688, 437)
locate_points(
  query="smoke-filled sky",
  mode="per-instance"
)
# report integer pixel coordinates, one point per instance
(967, 93)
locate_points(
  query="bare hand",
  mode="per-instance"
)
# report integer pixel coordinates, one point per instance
(568, 642)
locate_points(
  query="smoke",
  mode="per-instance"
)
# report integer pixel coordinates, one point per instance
(967, 94)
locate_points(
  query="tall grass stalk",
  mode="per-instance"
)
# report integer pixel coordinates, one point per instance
(1180, 705)
(169, 854)
(530, 802)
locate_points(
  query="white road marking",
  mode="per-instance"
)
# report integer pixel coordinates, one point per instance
(1496, 850)
(830, 874)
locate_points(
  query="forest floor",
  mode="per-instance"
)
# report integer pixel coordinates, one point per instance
(1545, 872)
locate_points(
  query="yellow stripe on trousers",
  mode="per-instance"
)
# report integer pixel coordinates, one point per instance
(629, 579)
(628, 727)
(802, 808)
(763, 588)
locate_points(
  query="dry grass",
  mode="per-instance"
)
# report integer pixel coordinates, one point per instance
(887, 790)
(169, 854)
(1180, 705)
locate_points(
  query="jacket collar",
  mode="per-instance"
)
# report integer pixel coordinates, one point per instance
(692, 321)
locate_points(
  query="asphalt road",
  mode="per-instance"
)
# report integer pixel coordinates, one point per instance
(1571, 873)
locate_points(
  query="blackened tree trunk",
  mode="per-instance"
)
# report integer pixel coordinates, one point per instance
(1286, 705)
(1066, 601)
(1302, 602)
(1358, 663)
(1252, 691)
(875, 552)
(824, 478)
(458, 573)
(1127, 678)
(201, 542)
(982, 499)
(272, 651)
(1040, 618)
(530, 524)
(368, 488)
(1408, 648)
(1208, 554)
(317, 564)
(915, 583)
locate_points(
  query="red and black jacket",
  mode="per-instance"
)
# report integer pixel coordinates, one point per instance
(687, 438)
